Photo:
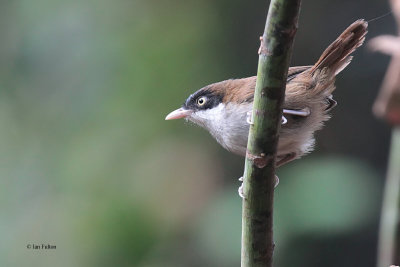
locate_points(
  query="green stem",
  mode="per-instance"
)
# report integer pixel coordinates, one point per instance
(259, 174)
(389, 237)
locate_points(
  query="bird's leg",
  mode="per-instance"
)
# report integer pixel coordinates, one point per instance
(286, 158)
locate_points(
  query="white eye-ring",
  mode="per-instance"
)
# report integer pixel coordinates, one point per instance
(201, 101)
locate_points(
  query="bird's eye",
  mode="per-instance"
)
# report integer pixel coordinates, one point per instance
(201, 101)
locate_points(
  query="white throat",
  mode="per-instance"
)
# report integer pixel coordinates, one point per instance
(227, 124)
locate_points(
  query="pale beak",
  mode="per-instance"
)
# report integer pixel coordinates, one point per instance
(178, 114)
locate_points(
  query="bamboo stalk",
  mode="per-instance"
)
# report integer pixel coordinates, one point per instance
(389, 236)
(259, 173)
(387, 107)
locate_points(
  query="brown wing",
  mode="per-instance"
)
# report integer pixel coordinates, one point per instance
(242, 90)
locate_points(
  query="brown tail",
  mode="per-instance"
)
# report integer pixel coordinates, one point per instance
(337, 56)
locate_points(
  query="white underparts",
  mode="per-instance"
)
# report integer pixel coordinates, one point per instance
(228, 124)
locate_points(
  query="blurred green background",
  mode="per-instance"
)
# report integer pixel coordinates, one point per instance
(88, 163)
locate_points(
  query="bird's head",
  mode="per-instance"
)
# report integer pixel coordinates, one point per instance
(209, 103)
(199, 107)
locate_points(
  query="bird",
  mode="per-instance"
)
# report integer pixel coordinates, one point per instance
(224, 108)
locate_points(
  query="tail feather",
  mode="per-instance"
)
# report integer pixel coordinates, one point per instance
(337, 56)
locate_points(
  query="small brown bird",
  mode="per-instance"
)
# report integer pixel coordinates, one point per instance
(224, 108)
